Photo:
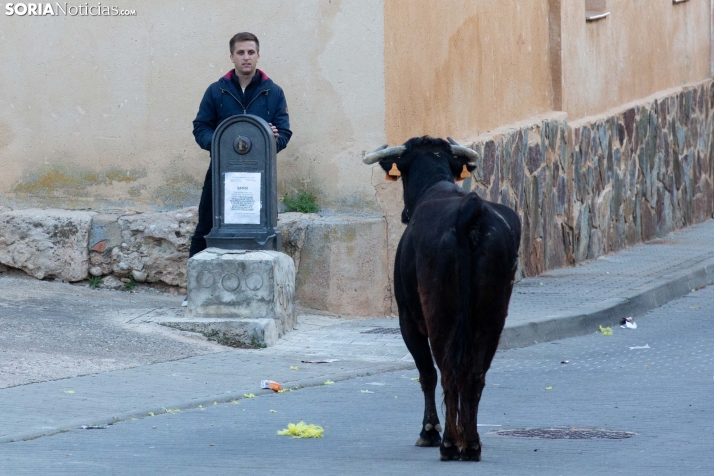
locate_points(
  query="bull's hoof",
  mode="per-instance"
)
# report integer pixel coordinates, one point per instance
(429, 438)
(472, 453)
(449, 452)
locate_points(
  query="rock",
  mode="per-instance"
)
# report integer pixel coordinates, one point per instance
(110, 282)
(99, 247)
(105, 229)
(582, 233)
(489, 162)
(139, 276)
(46, 243)
(95, 271)
(535, 158)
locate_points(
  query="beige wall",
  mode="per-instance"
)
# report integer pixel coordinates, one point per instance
(96, 112)
(644, 46)
(460, 67)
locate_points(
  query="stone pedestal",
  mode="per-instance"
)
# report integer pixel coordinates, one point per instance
(238, 297)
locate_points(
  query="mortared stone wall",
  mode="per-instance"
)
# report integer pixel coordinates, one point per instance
(594, 186)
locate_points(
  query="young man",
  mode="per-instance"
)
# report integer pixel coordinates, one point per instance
(243, 90)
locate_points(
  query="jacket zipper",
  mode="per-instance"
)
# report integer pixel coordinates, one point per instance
(245, 109)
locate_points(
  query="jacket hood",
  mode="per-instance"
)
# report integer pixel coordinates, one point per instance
(229, 75)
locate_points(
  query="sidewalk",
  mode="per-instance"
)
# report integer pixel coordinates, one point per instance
(558, 304)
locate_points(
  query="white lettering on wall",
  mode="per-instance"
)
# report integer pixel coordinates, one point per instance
(63, 8)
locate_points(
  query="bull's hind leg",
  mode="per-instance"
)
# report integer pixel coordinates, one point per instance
(469, 409)
(449, 449)
(487, 349)
(418, 345)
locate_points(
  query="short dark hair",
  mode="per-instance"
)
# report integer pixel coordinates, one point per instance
(244, 36)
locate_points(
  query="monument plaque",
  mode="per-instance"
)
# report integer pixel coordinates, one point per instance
(245, 198)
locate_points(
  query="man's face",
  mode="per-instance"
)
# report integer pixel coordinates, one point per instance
(245, 57)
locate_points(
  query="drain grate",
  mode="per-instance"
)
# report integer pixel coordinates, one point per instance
(383, 330)
(566, 433)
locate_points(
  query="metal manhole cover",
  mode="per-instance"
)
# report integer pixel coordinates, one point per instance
(566, 433)
(383, 330)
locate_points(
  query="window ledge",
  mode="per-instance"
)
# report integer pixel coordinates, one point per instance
(679, 1)
(593, 16)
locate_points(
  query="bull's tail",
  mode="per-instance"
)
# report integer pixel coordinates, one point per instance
(457, 367)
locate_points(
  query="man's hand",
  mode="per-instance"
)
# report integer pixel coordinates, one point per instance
(275, 130)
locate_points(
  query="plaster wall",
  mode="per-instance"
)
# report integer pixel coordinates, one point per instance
(97, 111)
(642, 47)
(462, 67)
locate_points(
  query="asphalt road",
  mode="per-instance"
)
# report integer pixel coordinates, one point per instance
(663, 395)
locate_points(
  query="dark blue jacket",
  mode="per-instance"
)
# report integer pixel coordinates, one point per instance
(222, 101)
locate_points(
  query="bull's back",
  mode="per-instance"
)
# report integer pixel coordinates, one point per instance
(432, 235)
(492, 232)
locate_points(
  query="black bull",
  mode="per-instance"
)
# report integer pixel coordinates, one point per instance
(453, 277)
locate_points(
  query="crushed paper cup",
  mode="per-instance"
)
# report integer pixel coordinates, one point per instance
(275, 386)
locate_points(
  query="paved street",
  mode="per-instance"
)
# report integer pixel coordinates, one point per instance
(662, 394)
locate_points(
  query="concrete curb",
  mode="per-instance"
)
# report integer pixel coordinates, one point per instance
(207, 402)
(609, 312)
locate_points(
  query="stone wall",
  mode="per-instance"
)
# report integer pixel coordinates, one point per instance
(74, 245)
(602, 183)
(340, 260)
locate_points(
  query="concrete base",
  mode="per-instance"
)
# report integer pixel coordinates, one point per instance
(244, 298)
(242, 333)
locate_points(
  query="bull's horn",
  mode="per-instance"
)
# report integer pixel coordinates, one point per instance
(460, 151)
(383, 152)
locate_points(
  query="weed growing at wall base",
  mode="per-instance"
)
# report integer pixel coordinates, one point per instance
(302, 201)
(131, 284)
(65, 9)
(95, 282)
